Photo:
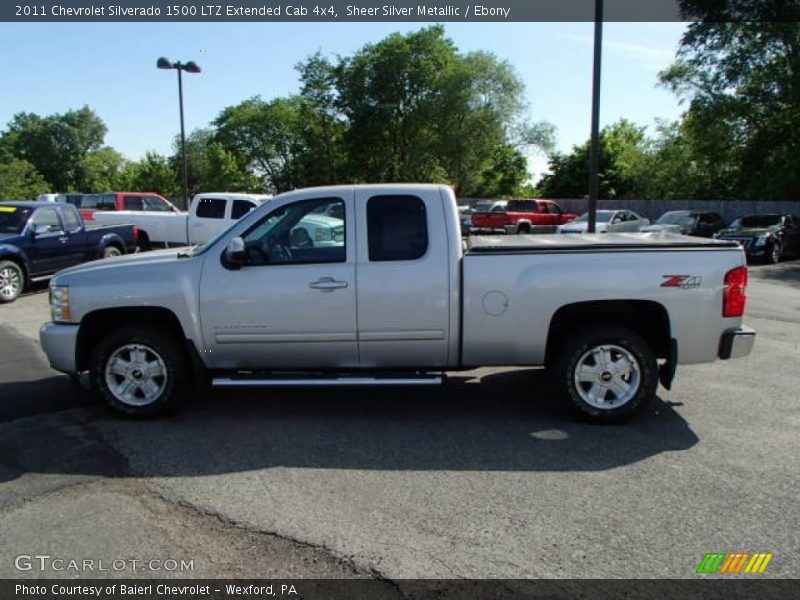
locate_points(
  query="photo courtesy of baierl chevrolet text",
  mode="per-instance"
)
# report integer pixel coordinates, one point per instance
(400, 300)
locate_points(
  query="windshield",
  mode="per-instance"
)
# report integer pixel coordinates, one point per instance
(603, 216)
(13, 219)
(758, 221)
(677, 218)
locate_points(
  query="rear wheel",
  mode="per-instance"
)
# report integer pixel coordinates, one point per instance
(607, 373)
(140, 371)
(524, 228)
(12, 281)
(112, 252)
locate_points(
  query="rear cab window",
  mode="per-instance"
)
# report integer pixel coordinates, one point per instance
(211, 208)
(397, 228)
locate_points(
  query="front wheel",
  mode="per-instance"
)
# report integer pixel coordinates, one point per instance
(607, 373)
(12, 281)
(140, 371)
(774, 256)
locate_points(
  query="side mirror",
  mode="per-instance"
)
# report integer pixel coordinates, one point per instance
(234, 252)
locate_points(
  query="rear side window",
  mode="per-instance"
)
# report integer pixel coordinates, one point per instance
(211, 208)
(241, 208)
(397, 228)
(71, 220)
(47, 217)
(134, 203)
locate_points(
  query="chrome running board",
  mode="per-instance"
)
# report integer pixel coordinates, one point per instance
(227, 382)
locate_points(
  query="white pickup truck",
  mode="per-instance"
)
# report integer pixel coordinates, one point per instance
(208, 214)
(393, 298)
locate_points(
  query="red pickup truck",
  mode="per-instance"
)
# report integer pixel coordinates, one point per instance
(87, 204)
(522, 216)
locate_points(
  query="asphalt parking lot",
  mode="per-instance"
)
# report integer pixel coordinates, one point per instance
(488, 477)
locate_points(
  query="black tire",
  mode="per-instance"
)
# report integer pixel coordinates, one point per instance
(112, 252)
(524, 229)
(774, 256)
(12, 281)
(626, 350)
(155, 345)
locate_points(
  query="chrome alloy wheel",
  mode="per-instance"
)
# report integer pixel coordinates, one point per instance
(136, 375)
(607, 376)
(10, 283)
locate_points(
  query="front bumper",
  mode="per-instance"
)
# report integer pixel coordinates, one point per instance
(736, 343)
(59, 342)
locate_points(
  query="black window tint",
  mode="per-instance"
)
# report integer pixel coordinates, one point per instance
(241, 208)
(211, 208)
(397, 227)
(134, 203)
(71, 220)
(522, 206)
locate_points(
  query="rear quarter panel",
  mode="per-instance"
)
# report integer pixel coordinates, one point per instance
(528, 289)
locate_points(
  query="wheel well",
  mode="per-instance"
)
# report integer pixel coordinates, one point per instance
(648, 319)
(98, 323)
(143, 240)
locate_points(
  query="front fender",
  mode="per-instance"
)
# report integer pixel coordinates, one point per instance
(10, 251)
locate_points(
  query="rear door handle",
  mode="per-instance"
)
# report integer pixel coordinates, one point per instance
(327, 284)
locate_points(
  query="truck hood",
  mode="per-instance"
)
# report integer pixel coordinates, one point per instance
(153, 258)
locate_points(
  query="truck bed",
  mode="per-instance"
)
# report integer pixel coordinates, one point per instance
(589, 242)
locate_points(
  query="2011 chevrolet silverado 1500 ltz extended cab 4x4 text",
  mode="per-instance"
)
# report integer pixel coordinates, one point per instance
(391, 298)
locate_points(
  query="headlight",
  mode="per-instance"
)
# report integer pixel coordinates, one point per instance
(59, 303)
(323, 234)
(762, 239)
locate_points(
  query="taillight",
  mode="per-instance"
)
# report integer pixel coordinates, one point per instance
(135, 234)
(733, 296)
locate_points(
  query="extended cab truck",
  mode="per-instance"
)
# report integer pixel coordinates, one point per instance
(394, 299)
(208, 214)
(523, 216)
(39, 238)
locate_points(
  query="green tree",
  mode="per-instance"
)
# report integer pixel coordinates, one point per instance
(266, 135)
(56, 145)
(623, 161)
(741, 80)
(19, 180)
(102, 170)
(154, 173)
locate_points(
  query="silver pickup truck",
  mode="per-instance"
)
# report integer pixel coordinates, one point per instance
(393, 296)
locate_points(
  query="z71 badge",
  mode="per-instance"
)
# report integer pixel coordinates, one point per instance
(685, 282)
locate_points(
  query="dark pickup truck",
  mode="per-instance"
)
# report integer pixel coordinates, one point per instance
(39, 238)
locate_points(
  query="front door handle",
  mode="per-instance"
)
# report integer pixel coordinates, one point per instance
(327, 284)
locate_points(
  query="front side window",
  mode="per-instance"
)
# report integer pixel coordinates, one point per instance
(134, 203)
(211, 208)
(299, 233)
(240, 208)
(46, 220)
(397, 228)
(157, 204)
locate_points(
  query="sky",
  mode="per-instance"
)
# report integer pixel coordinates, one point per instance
(55, 67)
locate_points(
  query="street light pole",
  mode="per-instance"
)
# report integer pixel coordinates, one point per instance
(189, 67)
(594, 161)
(183, 139)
